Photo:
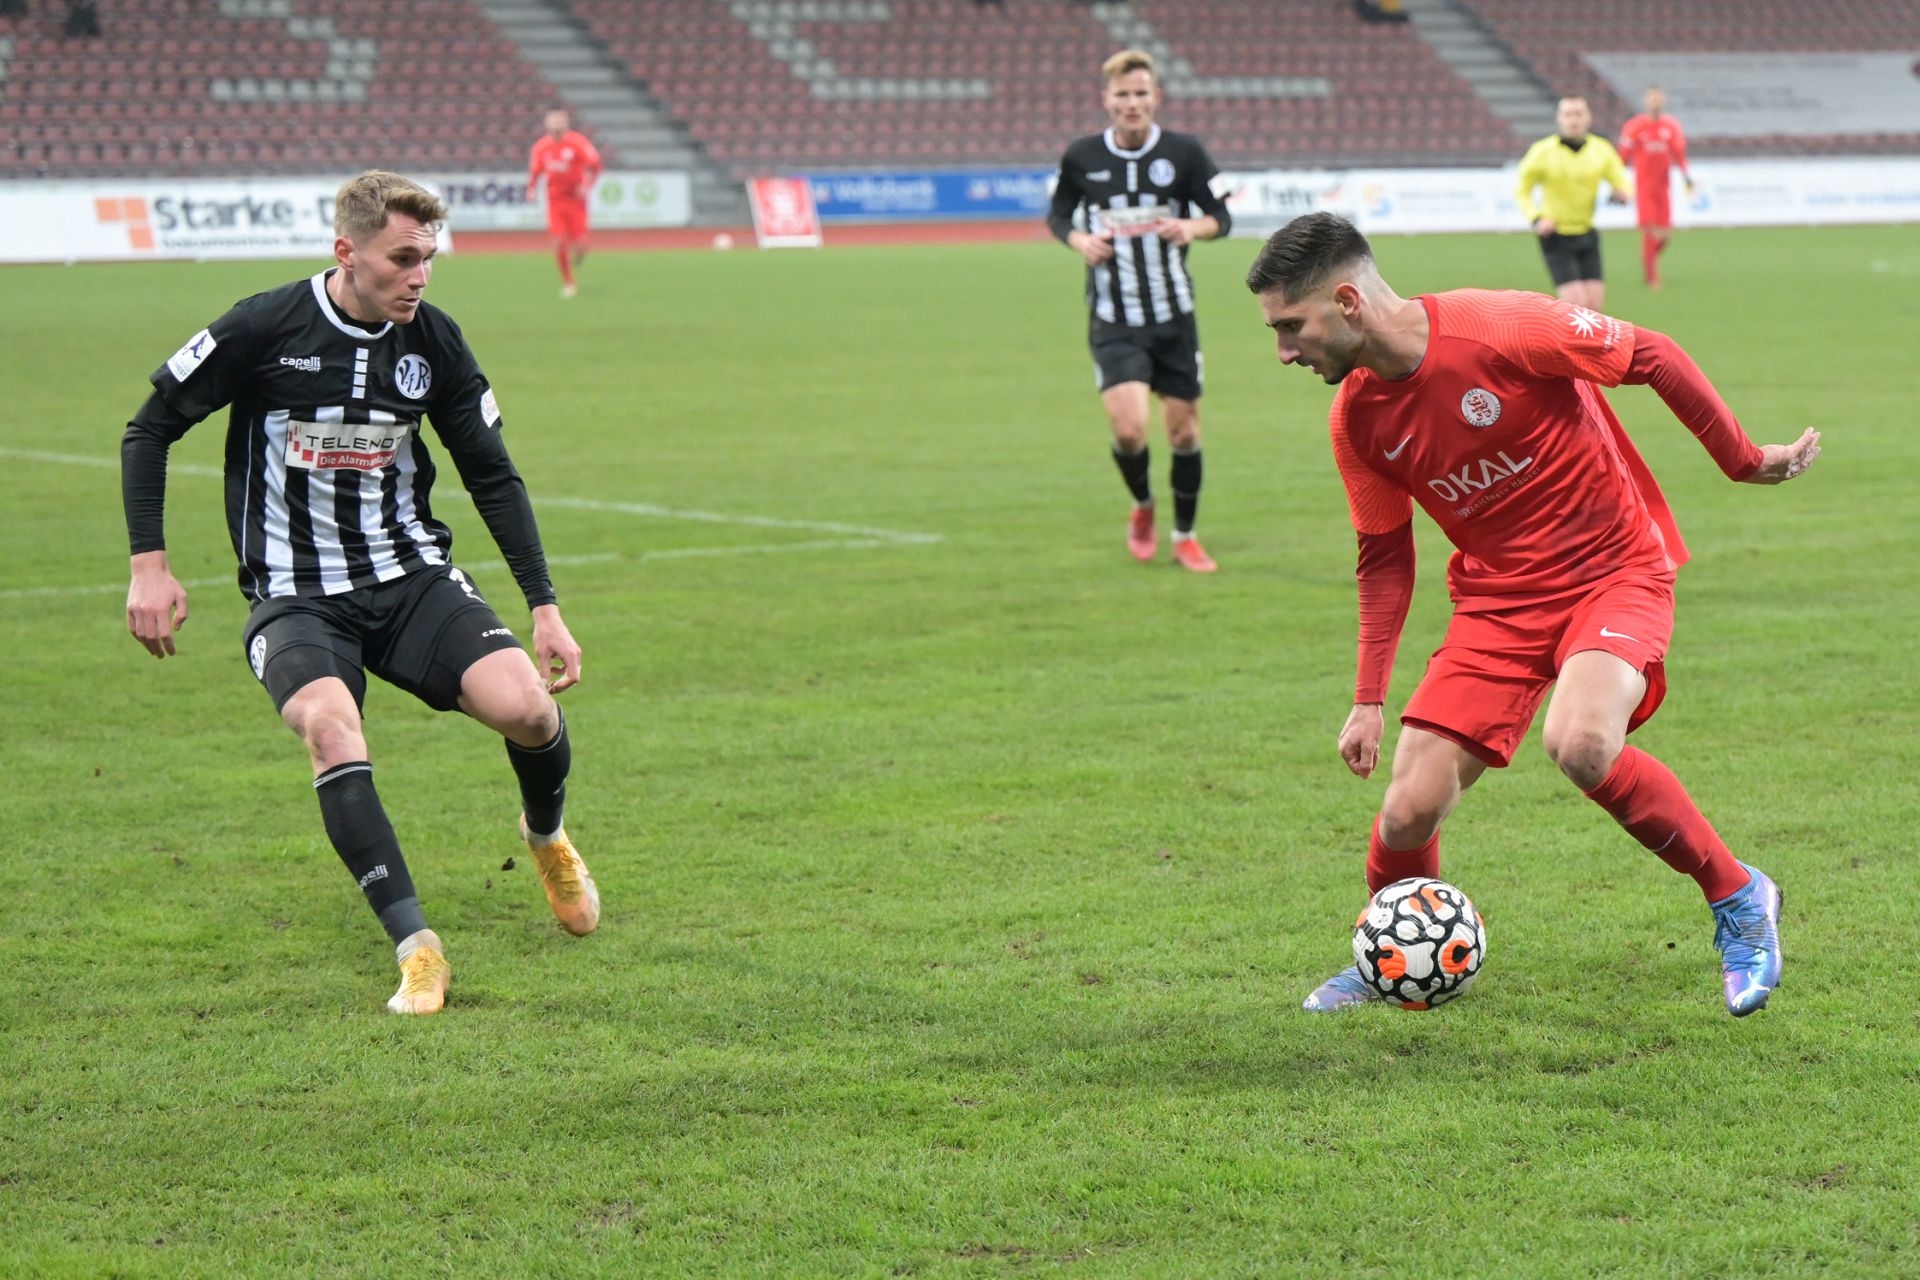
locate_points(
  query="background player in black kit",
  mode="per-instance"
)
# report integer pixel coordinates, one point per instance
(327, 484)
(1140, 188)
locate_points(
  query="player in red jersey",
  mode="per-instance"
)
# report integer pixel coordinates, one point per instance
(1655, 145)
(1483, 408)
(570, 164)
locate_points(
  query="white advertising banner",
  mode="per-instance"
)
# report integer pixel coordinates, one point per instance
(622, 199)
(147, 218)
(1730, 193)
(1745, 95)
(135, 219)
(141, 218)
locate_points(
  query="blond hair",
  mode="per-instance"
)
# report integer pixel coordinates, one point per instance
(1129, 60)
(362, 206)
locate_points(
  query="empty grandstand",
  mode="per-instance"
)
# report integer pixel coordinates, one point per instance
(726, 88)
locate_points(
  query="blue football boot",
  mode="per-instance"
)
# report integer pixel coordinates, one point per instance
(1746, 929)
(1342, 990)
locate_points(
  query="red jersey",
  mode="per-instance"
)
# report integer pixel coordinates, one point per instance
(1501, 437)
(1653, 146)
(569, 163)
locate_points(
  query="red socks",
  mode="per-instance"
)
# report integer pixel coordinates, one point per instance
(565, 258)
(1650, 247)
(1384, 865)
(1643, 796)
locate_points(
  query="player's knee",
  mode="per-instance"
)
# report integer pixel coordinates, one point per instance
(1585, 753)
(1129, 437)
(1406, 820)
(524, 712)
(1183, 435)
(331, 737)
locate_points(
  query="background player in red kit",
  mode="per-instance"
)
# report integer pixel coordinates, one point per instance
(1654, 144)
(570, 164)
(1482, 407)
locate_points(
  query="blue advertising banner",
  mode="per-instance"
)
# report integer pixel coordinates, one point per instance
(901, 197)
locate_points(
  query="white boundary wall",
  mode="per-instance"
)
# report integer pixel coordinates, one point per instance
(1728, 193)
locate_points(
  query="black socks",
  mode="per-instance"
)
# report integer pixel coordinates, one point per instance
(543, 779)
(1133, 469)
(1186, 488)
(357, 824)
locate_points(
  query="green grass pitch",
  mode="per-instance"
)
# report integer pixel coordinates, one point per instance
(962, 878)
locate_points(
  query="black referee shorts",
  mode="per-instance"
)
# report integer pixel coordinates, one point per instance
(1164, 356)
(419, 633)
(1571, 258)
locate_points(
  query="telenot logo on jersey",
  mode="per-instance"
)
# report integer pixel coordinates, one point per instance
(314, 446)
(1480, 407)
(412, 377)
(257, 655)
(1160, 172)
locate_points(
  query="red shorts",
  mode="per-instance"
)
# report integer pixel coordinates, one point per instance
(1488, 677)
(1655, 207)
(567, 218)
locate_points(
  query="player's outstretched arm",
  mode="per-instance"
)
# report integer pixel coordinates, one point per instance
(156, 603)
(1360, 738)
(1780, 463)
(555, 652)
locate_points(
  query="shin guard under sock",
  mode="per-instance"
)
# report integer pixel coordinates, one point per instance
(357, 824)
(1643, 796)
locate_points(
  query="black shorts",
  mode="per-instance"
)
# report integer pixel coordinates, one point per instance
(1164, 356)
(1571, 258)
(419, 633)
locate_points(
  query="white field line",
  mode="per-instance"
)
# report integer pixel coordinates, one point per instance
(853, 537)
(878, 536)
(83, 460)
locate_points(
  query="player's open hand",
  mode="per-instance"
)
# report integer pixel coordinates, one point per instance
(554, 651)
(1780, 463)
(1544, 227)
(1094, 248)
(156, 603)
(1360, 738)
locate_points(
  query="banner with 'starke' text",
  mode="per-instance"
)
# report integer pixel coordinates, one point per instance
(134, 219)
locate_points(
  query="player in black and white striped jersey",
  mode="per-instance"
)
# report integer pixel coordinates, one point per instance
(1142, 195)
(328, 486)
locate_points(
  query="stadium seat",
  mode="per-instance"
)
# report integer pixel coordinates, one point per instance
(183, 61)
(1553, 35)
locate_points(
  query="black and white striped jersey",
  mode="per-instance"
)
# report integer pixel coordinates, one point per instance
(328, 478)
(1146, 281)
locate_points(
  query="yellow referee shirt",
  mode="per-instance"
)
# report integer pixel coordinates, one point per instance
(1569, 181)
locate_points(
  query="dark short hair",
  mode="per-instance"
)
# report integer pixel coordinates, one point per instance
(1304, 254)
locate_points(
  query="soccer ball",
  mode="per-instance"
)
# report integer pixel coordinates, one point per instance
(1419, 943)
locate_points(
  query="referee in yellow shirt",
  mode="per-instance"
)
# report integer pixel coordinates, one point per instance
(1567, 169)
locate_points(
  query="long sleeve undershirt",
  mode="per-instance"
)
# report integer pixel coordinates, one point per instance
(1660, 363)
